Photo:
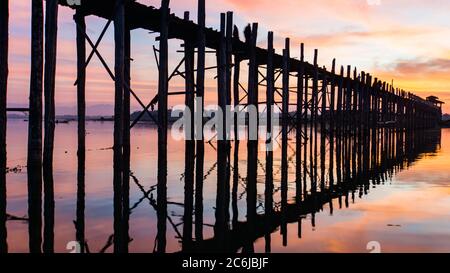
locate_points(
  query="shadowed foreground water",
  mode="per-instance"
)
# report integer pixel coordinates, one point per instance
(396, 193)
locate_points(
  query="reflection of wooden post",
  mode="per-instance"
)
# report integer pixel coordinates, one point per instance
(4, 28)
(51, 28)
(81, 114)
(34, 160)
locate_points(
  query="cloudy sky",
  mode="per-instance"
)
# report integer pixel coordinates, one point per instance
(407, 41)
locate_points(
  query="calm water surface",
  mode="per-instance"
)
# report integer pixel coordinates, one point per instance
(408, 212)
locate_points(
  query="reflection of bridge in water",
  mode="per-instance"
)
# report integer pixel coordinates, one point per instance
(347, 168)
(359, 116)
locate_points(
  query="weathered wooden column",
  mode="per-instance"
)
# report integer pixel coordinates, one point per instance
(316, 113)
(236, 87)
(300, 87)
(268, 193)
(340, 123)
(119, 40)
(221, 207)
(356, 93)
(163, 83)
(81, 114)
(126, 139)
(200, 147)
(270, 85)
(322, 130)
(253, 69)
(299, 120)
(34, 159)
(189, 141)
(222, 90)
(332, 122)
(4, 29)
(252, 144)
(284, 139)
(229, 56)
(51, 30)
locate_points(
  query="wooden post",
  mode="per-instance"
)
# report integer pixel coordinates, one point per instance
(339, 126)
(162, 126)
(229, 55)
(332, 95)
(316, 113)
(189, 80)
(200, 83)
(4, 36)
(222, 92)
(286, 70)
(126, 140)
(189, 143)
(51, 29)
(356, 93)
(300, 87)
(221, 208)
(332, 122)
(119, 39)
(252, 146)
(81, 114)
(323, 101)
(34, 159)
(322, 131)
(284, 140)
(299, 138)
(200, 147)
(270, 85)
(253, 68)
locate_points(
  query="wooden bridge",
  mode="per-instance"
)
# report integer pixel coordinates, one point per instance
(341, 101)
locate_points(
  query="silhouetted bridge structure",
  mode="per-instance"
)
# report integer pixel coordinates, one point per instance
(341, 102)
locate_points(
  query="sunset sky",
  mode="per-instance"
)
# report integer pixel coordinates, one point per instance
(404, 40)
